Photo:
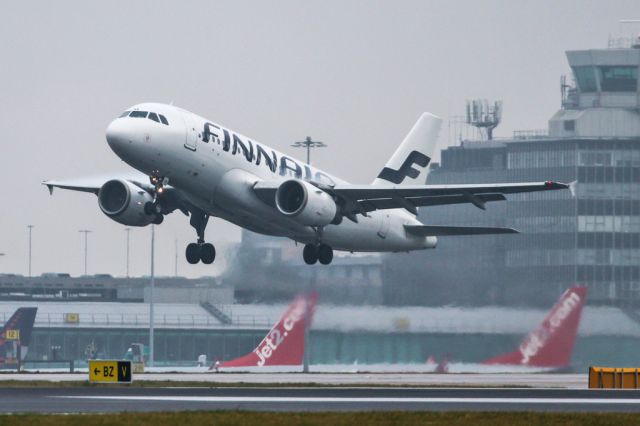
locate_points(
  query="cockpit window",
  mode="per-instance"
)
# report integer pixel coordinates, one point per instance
(124, 114)
(153, 116)
(140, 114)
(163, 119)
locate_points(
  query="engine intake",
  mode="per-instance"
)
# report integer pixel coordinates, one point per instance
(306, 203)
(124, 202)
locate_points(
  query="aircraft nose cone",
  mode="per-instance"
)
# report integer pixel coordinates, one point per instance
(117, 137)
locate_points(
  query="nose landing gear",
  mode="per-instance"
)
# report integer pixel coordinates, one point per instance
(154, 208)
(200, 251)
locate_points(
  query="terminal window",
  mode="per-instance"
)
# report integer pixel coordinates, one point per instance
(619, 79)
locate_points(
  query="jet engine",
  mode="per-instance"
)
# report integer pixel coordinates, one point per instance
(306, 203)
(124, 202)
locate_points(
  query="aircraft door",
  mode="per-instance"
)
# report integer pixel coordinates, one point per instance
(384, 225)
(191, 134)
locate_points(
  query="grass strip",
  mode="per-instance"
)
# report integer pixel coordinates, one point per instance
(203, 384)
(192, 418)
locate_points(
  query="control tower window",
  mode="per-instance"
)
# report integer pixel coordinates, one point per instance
(586, 78)
(619, 79)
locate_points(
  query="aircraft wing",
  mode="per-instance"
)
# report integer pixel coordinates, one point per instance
(360, 199)
(94, 183)
(370, 198)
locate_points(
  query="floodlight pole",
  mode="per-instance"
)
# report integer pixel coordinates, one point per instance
(309, 143)
(30, 230)
(153, 283)
(85, 232)
(306, 356)
(128, 231)
(175, 271)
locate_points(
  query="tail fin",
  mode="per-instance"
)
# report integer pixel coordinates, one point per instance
(408, 165)
(17, 332)
(284, 344)
(551, 344)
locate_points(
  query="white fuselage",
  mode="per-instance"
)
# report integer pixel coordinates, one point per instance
(215, 169)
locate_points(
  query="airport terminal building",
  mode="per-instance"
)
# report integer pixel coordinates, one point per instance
(347, 335)
(588, 235)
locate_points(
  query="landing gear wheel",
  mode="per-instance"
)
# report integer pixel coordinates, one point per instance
(148, 208)
(325, 254)
(310, 254)
(158, 219)
(207, 253)
(152, 208)
(193, 253)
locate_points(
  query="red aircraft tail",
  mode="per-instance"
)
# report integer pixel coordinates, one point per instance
(551, 344)
(284, 344)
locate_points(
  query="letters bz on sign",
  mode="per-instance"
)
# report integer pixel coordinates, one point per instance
(110, 371)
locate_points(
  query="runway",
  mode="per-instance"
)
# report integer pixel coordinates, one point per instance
(132, 399)
(537, 380)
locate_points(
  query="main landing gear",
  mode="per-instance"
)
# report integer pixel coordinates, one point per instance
(313, 253)
(200, 251)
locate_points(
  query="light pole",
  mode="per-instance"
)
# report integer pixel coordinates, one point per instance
(153, 283)
(175, 243)
(309, 143)
(85, 232)
(128, 231)
(30, 230)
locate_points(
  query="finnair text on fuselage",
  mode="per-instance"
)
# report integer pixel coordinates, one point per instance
(283, 166)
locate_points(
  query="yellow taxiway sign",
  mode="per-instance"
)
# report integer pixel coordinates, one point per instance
(110, 371)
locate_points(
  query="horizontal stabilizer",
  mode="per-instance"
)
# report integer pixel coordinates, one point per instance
(435, 231)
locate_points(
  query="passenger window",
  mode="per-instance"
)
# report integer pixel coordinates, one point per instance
(140, 114)
(153, 116)
(163, 119)
(124, 114)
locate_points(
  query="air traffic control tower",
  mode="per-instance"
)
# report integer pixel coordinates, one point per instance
(590, 235)
(605, 101)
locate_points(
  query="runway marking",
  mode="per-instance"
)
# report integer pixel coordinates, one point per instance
(278, 399)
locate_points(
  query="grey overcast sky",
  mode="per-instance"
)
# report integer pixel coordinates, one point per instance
(355, 74)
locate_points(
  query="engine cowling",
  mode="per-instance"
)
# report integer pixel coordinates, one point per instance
(124, 202)
(306, 203)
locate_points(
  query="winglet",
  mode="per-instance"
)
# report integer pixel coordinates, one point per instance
(49, 187)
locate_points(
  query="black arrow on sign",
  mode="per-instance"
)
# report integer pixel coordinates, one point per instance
(95, 371)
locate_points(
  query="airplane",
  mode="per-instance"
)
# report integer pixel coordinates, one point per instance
(186, 162)
(15, 337)
(282, 349)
